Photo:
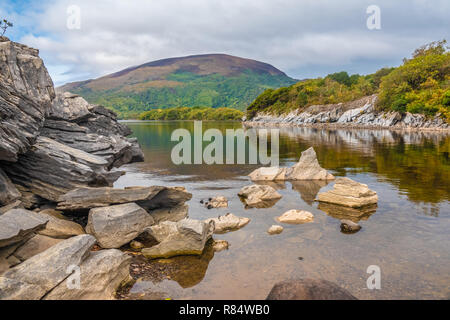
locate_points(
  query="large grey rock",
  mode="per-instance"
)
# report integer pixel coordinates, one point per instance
(18, 224)
(34, 246)
(51, 169)
(185, 237)
(69, 107)
(8, 192)
(308, 289)
(259, 195)
(349, 193)
(33, 278)
(26, 94)
(60, 228)
(228, 222)
(147, 197)
(102, 273)
(117, 225)
(170, 214)
(308, 168)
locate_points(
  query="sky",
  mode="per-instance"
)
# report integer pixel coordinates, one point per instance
(84, 39)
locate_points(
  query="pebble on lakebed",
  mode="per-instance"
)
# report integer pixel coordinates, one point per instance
(275, 229)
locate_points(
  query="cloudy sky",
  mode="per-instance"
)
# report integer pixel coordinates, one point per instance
(304, 38)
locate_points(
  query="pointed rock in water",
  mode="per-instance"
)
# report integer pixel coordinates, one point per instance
(228, 222)
(296, 217)
(268, 174)
(102, 274)
(348, 226)
(117, 225)
(258, 195)
(308, 168)
(349, 193)
(26, 94)
(275, 229)
(185, 237)
(33, 278)
(19, 224)
(149, 198)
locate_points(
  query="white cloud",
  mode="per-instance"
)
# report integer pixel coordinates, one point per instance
(301, 37)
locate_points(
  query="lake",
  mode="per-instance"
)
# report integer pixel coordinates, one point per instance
(407, 236)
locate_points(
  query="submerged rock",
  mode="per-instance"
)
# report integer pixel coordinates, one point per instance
(259, 195)
(308, 289)
(117, 225)
(216, 202)
(147, 197)
(102, 273)
(275, 229)
(33, 278)
(19, 224)
(185, 237)
(296, 217)
(349, 193)
(228, 222)
(308, 168)
(348, 226)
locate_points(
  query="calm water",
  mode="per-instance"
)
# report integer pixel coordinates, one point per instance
(407, 236)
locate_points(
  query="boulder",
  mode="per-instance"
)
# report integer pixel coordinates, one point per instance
(170, 214)
(259, 195)
(308, 168)
(348, 226)
(216, 202)
(102, 272)
(33, 278)
(117, 225)
(19, 224)
(60, 228)
(34, 246)
(228, 222)
(69, 107)
(349, 193)
(8, 191)
(26, 95)
(275, 229)
(308, 289)
(185, 237)
(51, 169)
(147, 197)
(296, 217)
(268, 174)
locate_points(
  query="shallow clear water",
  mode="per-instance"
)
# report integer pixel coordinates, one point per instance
(407, 236)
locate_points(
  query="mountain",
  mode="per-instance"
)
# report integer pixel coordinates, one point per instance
(210, 80)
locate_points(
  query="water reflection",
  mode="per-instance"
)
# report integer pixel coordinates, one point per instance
(308, 189)
(352, 214)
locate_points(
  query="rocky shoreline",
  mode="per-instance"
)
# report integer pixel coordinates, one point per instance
(358, 114)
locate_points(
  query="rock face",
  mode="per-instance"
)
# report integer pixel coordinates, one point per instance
(185, 237)
(268, 174)
(117, 225)
(102, 273)
(147, 197)
(18, 224)
(259, 195)
(26, 94)
(275, 229)
(308, 289)
(8, 192)
(349, 193)
(296, 217)
(51, 169)
(308, 168)
(33, 278)
(228, 222)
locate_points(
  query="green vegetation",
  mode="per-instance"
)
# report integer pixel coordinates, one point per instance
(213, 90)
(420, 85)
(4, 25)
(195, 113)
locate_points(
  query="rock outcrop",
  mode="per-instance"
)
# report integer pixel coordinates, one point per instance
(185, 237)
(228, 222)
(147, 197)
(308, 289)
(117, 225)
(296, 217)
(349, 193)
(259, 196)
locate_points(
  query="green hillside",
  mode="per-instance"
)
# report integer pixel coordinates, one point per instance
(197, 81)
(420, 85)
